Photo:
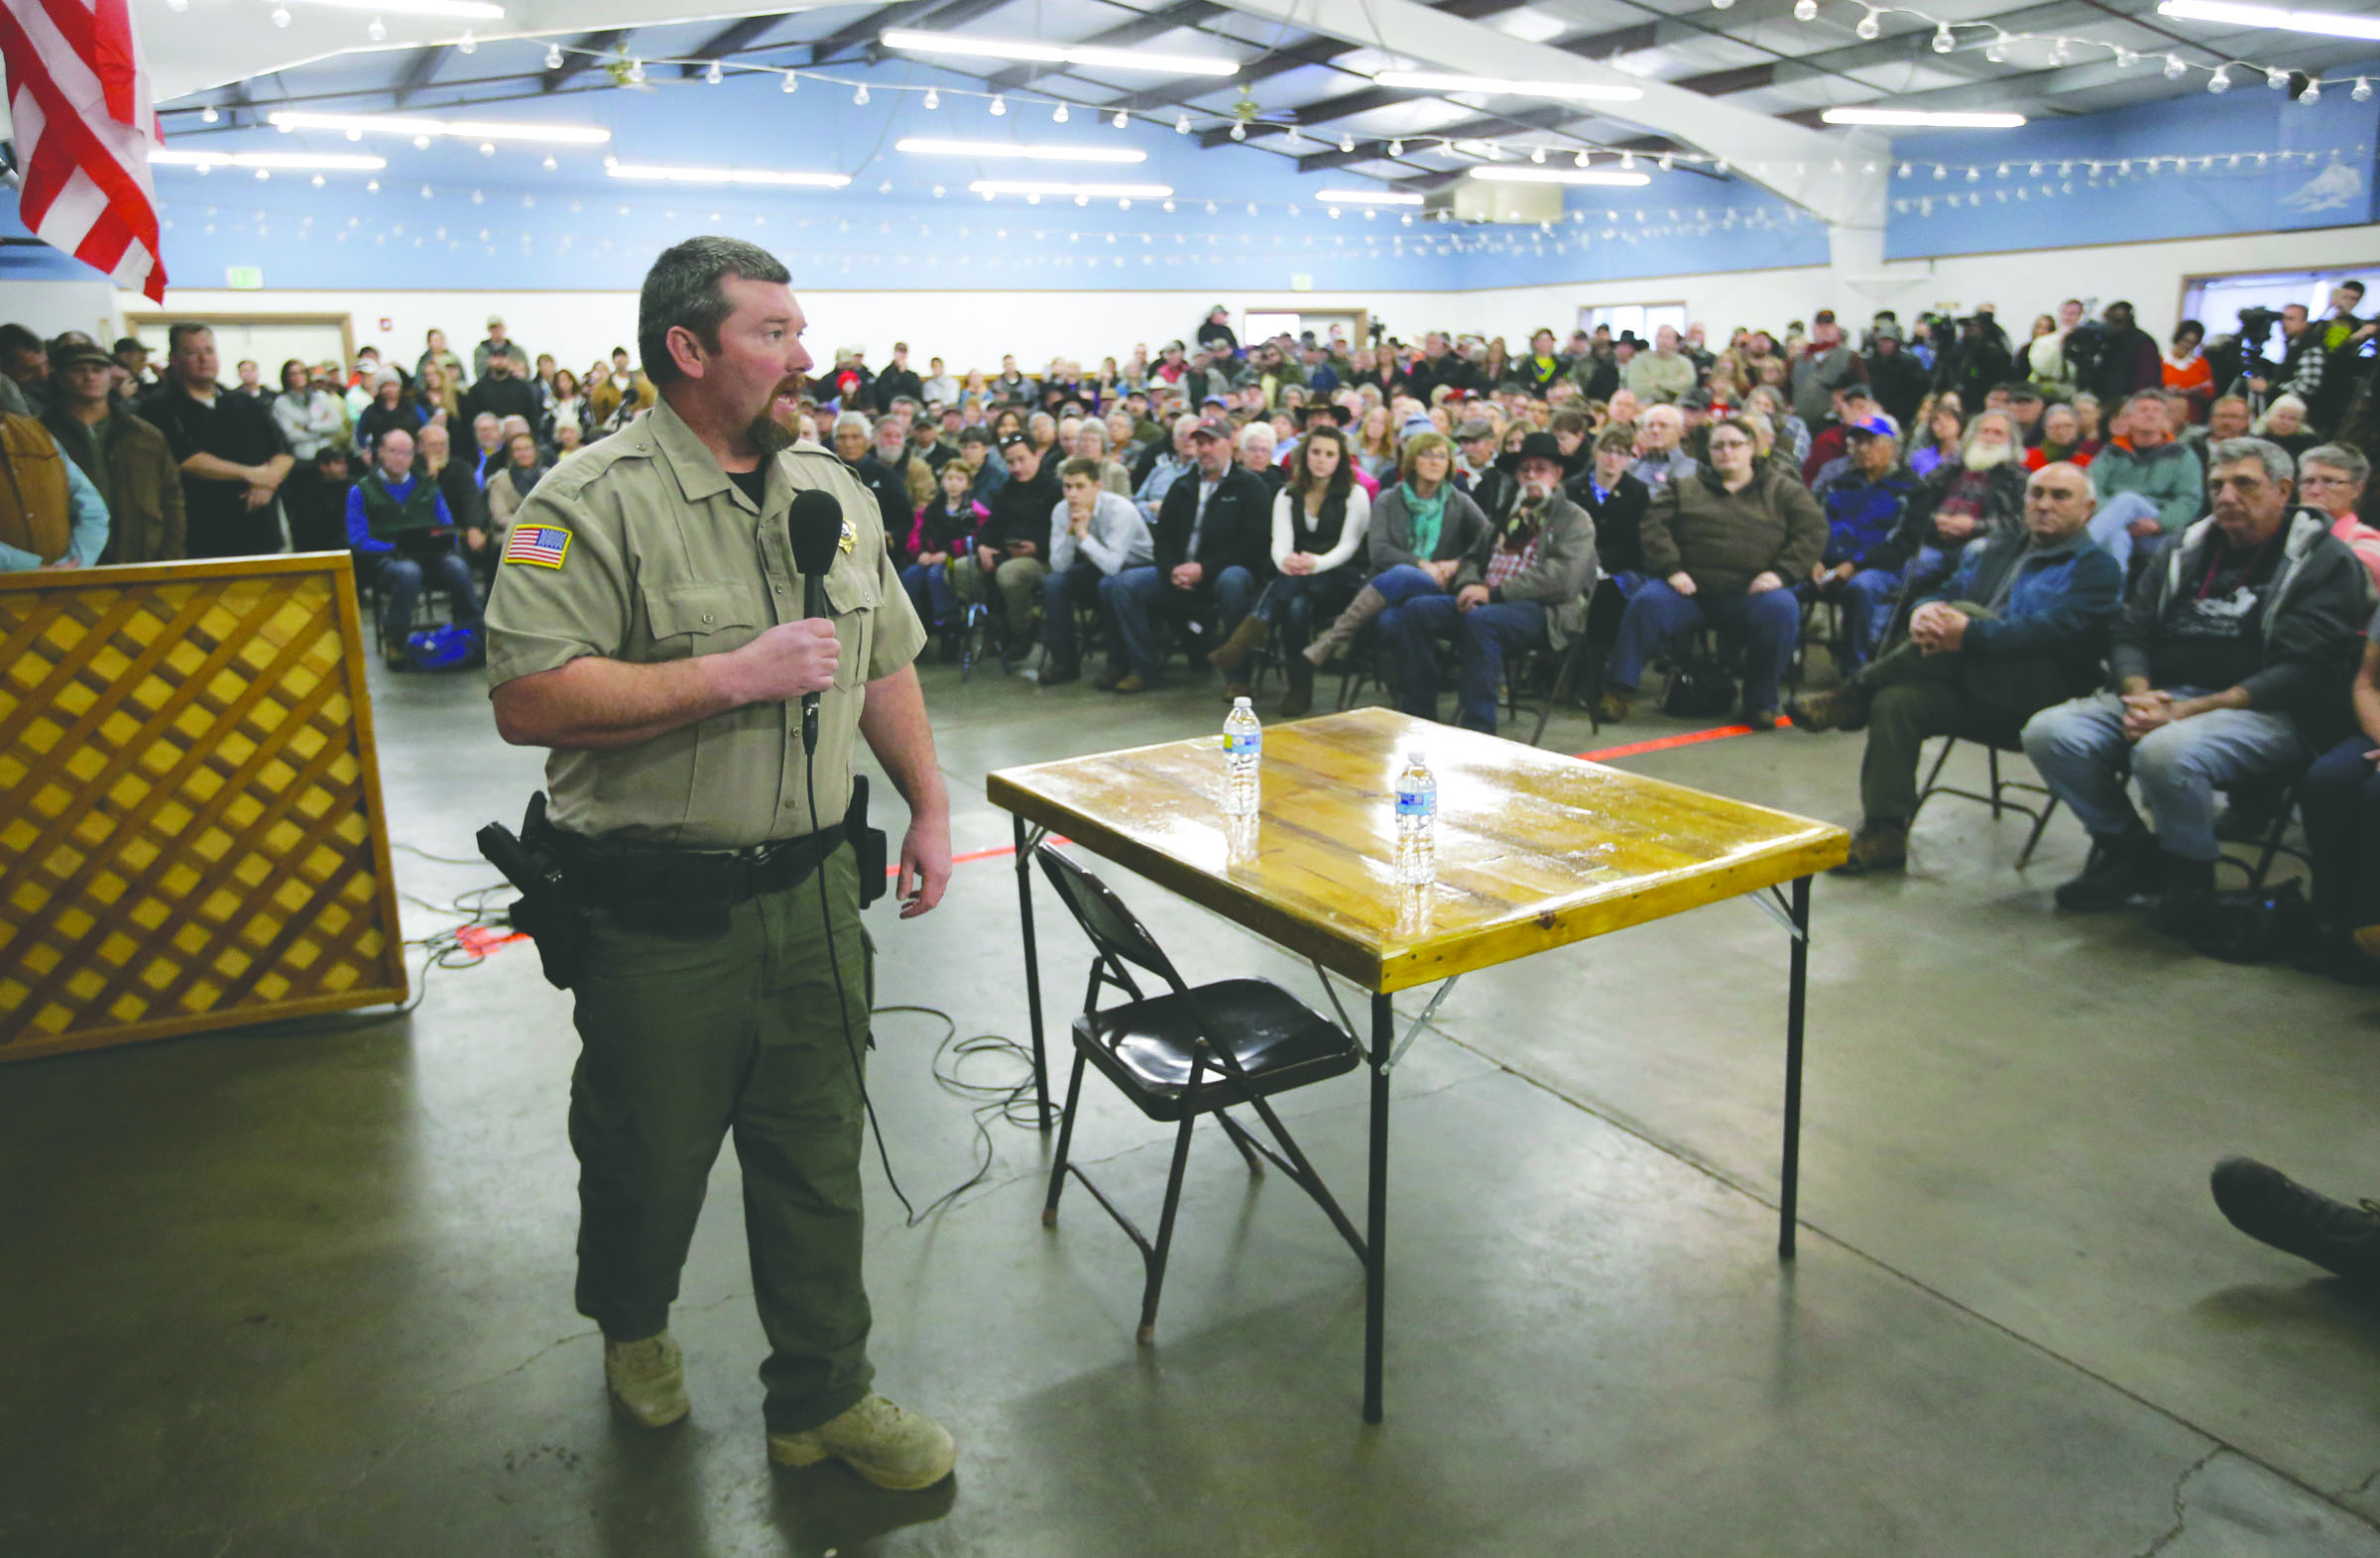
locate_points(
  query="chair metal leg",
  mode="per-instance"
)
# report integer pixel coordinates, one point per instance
(1940, 762)
(1992, 756)
(1249, 1150)
(1165, 1244)
(1375, 1240)
(1563, 680)
(2041, 825)
(1797, 986)
(1057, 1170)
(1033, 972)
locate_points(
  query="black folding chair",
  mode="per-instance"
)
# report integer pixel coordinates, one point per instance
(1997, 792)
(1191, 1052)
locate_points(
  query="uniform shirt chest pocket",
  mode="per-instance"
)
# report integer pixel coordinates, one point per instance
(851, 599)
(687, 619)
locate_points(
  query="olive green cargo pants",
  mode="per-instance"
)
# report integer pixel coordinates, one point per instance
(1913, 696)
(687, 1036)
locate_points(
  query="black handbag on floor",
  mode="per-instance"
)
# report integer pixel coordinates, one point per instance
(1698, 689)
(2255, 925)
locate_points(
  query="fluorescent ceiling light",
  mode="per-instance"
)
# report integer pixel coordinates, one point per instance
(1367, 198)
(648, 171)
(1911, 116)
(1084, 152)
(2328, 23)
(1495, 85)
(467, 10)
(294, 161)
(1097, 192)
(457, 129)
(1055, 54)
(1560, 176)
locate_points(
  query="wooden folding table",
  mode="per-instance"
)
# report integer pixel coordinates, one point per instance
(1534, 851)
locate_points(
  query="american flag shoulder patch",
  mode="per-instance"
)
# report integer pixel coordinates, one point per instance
(544, 544)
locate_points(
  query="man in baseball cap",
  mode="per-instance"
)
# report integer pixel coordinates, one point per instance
(1214, 550)
(1860, 570)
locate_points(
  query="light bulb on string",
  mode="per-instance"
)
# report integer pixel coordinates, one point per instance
(714, 75)
(636, 72)
(1347, 143)
(2312, 92)
(207, 115)
(999, 106)
(2125, 59)
(551, 165)
(1058, 115)
(1537, 155)
(2175, 69)
(420, 143)
(1579, 160)
(2363, 91)
(1943, 40)
(467, 44)
(1627, 162)
(933, 98)
(2276, 78)
(487, 149)
(1998, 50)
(376, 30)
(886, 187)
(1122, 121)
(280, 16)
(1805, 10)
(554, 56)
(2058, 54)
(1396, 149)
(1871, 27)
(859, 97)
(1668, 163)
(1181, 126)
(1238, 132)
(2220, 81)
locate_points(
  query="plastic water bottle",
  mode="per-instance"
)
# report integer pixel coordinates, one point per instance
(1242, 752)
(1416, 823)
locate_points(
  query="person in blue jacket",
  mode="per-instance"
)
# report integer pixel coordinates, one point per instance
(2022, 625)
(1864, 505)
(402, 519)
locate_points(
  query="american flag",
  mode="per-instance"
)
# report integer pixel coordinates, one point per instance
(543, 544)
(83, 128)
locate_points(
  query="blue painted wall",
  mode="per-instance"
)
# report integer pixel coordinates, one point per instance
(2252, 162)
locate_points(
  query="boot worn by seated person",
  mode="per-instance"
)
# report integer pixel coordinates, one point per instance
(1245, 641)
(1876, 848)
(2186, 892)
(2119, 868)
(2266, 1204)
(1838, 708)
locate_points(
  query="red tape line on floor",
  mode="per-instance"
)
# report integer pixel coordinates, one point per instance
(1690, 738)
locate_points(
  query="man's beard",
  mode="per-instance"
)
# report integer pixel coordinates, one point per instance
(1985, 456)
(769, 436)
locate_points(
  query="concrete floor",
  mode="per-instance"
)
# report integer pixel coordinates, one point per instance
(297, 1293)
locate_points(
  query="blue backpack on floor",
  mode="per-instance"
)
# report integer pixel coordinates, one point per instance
(440, 649)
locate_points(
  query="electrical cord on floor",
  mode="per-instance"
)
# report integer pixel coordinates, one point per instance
(1013, 1102)
(441, 949)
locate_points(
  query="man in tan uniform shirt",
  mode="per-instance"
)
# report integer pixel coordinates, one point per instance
(646, 625)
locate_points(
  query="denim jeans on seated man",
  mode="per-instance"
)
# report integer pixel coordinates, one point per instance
(2341, 801)
(400, 580)
(1130, 602)
(1868, 600)
(929, 590)
(2111, 528)
(1658, 616)
(1062, 594)
(2081, 751)
(1483, 637)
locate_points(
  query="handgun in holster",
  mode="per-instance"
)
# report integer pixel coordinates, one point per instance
(548, 910)
(866, 843)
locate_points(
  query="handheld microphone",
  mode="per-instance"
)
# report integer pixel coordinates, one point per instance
(814, 524)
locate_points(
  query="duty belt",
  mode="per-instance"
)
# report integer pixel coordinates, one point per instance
(651, 877)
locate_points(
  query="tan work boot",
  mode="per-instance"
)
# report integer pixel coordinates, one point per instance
(1615, 705)
(1876, 848)
(1298, 701)
(1245, 641)
(648, 1378)
(1838, 708)
(1367, 604)
(888, 1445)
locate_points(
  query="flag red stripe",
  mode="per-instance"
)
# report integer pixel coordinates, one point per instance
(59, 55)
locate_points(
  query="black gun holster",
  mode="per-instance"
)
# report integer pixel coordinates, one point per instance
(866, 843)
(548, 912)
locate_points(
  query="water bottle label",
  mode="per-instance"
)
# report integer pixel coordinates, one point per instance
(1415, 804)
(1245, 745)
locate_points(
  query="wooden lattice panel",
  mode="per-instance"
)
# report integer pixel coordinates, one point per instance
(190, 824)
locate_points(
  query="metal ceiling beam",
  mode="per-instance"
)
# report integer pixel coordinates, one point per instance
(731, 39)
(417, 73)
(1140, 29)
(1468, 130)
(1800, 162)
(865, 29)
(587, 54)
(955, 13)
(1316, 50)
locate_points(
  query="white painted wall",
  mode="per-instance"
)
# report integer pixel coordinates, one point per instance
(968, 328)
(50, 308)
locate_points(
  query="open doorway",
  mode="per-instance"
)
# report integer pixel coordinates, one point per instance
(1348, 326)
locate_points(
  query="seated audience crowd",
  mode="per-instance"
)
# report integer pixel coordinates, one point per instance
(2142, 567)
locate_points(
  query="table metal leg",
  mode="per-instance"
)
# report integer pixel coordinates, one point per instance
(1797, 989)
(1032, 971)
(1375, 1238)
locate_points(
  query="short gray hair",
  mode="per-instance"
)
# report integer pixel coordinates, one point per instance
(2275, 459)
(852, 419)
(2350, 462)
(682, 290)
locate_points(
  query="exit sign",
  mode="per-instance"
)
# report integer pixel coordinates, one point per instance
(244, 278)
